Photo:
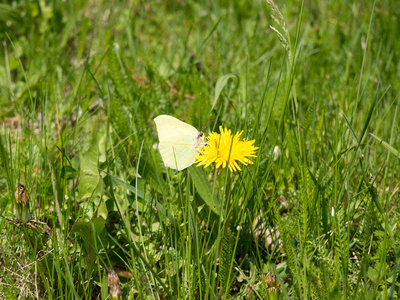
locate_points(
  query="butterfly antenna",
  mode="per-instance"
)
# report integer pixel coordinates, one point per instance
(204, 127)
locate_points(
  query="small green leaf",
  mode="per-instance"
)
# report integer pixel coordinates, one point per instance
(98, 224)
(89, 231)
(205, 190)
(76, 162)
(102, 210)
(222, 81)
(84, 229)
(89, 172)
(69, 172)
(81, 228)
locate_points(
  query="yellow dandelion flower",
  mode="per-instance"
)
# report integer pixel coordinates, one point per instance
(225, 149)
(21, 194)
(21, 209)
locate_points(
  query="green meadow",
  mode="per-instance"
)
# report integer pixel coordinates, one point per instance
(88, 210)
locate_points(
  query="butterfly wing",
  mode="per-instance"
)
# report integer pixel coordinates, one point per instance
(177, 156)
(178, 142)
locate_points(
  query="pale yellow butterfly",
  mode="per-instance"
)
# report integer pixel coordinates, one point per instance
(179, 142)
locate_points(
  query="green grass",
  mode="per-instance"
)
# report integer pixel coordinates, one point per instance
(80, 85)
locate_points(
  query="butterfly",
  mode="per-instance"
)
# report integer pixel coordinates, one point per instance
(179, 142)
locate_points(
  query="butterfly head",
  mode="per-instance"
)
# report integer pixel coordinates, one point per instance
(199, 142)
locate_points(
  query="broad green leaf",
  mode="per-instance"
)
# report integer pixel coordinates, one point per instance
(222, 81)
(89, 172)
(205, 190)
